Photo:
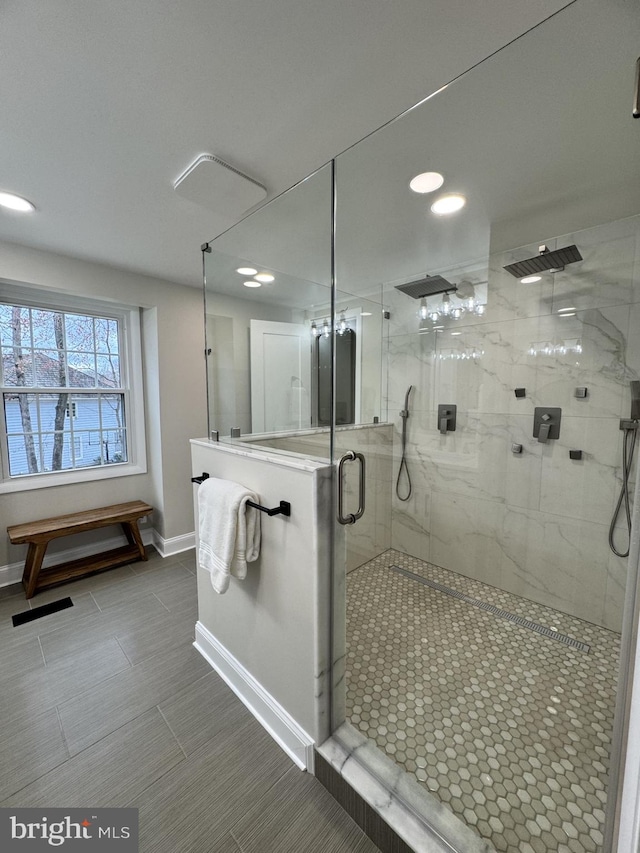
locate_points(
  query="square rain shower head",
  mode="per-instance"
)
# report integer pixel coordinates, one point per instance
(545, 261)
(428, 286)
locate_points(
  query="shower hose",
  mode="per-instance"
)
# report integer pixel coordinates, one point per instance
(404, 414)
(628, 447)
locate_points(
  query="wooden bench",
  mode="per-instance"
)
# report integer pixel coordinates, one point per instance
(38, 534)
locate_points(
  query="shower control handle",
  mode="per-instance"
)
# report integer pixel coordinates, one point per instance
(543, 433)
(447, 418)
(351, 518)
(546, 423)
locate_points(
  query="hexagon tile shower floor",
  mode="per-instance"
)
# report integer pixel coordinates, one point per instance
(502, 708)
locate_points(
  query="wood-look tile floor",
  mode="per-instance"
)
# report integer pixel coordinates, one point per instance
(107, 703)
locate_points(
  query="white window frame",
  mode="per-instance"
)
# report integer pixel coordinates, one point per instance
(131, 367)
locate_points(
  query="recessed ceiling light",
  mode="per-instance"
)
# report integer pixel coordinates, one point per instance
(246, 271)
(568, 314)
(365, 313)
(265, 277)
(449, 203)
(252, 284)
(456, 333)
(426, 182)
(16, 202)
(562, 310)
(530, 279)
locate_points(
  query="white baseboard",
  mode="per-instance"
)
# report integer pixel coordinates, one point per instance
(270, 714)
(174, 545)
(12, 573)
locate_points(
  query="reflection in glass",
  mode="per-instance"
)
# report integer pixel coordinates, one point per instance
(443, 675)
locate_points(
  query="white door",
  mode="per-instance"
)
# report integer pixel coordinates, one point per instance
(280, 376)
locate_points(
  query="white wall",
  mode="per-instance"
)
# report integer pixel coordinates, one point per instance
(175, 395)
(275, 622)
(229, 379)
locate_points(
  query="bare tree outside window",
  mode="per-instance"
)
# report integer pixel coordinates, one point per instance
(61, 405)
(62, 389)
(25, 414)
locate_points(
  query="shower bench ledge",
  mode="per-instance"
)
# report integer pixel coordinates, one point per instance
(38, 534)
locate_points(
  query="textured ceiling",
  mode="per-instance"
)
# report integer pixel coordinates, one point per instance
(539, 138)
(104, 105)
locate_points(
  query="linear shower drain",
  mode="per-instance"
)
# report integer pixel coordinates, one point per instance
(496, 611)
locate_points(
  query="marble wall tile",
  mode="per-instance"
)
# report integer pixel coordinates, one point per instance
(561, 562)
(493, 361)
(588, 349)
(403, 310)
(522, 342)
(465, 536)
(411, 524)
(507, 297)
(371, 535)
(581, 488)
(632, 352)
(606, 275)
(339, 626)
(621, 519)
(615, 588)
(477, 459)
(410, 361)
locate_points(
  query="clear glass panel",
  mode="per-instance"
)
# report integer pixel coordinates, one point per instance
(50, 369)
(16, 371)
(21, 418)
(56, 432)
(15, 344)
(82, 369)
(260, 340)
(6, 328)
(106, 332)
(44, 328)
(79, 333)
(64, 349)
(484, 605)
(108, 371)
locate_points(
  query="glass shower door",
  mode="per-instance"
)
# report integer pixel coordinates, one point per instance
(483, 637)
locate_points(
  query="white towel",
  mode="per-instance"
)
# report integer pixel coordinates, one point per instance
(229, 530)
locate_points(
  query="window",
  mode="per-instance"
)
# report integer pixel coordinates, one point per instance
(67, 378)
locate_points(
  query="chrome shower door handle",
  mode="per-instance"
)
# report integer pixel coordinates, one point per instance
(361, 488)
(351, 518)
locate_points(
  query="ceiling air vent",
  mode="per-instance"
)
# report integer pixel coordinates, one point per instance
(213, 184)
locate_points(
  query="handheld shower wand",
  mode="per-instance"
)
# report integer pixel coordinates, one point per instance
(630, 427)
(404, 414)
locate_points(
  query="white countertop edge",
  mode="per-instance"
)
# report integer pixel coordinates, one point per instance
(300, 463)
(298, 433)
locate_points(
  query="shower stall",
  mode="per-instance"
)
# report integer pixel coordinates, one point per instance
(470, 378)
